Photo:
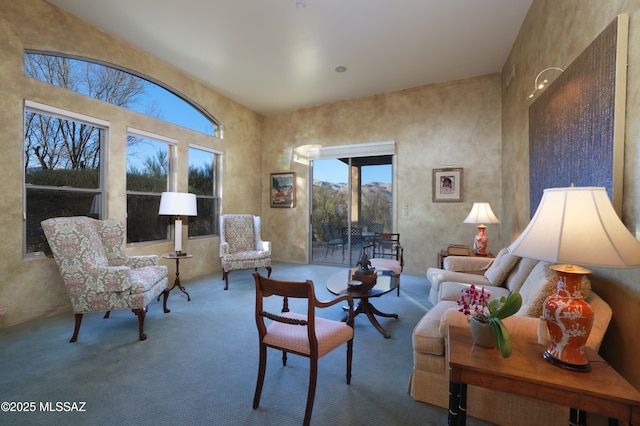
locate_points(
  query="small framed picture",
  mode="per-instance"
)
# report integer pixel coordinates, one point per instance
(283, 190)
(447, 185)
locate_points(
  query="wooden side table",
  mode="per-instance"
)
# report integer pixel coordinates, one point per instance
(601, 391)
(176, 283)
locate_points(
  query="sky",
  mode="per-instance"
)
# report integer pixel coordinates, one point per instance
(335, 171)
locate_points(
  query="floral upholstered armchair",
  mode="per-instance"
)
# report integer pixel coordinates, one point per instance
(97, 274)
(241, 246)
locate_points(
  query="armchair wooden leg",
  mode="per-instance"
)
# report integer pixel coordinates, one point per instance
(77, 328)
(164, 302)
(225, 277)
(141, 313)
(106, 314)
(268, 271)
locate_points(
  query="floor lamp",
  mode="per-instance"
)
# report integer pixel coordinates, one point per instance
(178, 204)
(575, 225)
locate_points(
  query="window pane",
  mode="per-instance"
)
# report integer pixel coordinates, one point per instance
(110, 84)
(201, 171)
(147, 172)
(202, 182)
(61, 172)
(61, 152)
(206, 223)
(147, 165)
(143, 221)
(44, 204)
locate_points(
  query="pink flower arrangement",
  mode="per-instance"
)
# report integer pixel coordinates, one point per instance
(474, 303)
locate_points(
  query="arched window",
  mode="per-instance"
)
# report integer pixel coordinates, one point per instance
(120, 87)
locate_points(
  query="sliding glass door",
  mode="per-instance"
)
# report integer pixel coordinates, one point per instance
(352, 197)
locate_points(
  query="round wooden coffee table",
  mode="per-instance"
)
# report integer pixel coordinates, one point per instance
(387, 281)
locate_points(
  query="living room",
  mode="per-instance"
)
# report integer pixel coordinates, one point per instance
(432, 125)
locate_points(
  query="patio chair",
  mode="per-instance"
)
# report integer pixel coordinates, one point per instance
(386, 252)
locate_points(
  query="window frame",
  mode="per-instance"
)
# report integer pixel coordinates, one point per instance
(172, 145)
(216, 189)
(103, 127)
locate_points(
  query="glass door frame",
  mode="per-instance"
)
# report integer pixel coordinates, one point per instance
(351, 152)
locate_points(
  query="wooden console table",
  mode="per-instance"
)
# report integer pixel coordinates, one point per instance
(602, 391)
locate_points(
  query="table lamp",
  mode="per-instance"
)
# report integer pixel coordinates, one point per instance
(481, 213)
(575, 225)
(178, 204)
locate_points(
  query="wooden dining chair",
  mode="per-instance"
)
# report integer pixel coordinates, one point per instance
(300, 334)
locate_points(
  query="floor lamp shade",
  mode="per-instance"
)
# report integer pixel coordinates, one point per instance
(178, 204)
(480, 214)
(576, 225)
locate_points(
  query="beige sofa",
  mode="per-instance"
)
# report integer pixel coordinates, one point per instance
(430, 375)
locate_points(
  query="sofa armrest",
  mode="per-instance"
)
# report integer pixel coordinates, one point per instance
(468, 264)
(113, 279)
(453, 290)
(516, 325)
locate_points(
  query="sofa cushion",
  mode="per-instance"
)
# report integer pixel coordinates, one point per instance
(520, 273)
(501, 267)
(540, 284)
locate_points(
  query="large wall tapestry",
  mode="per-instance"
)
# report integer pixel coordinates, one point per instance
(576, 126)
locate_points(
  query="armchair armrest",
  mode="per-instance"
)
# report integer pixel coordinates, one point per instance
(224, 249)
(265, 246)
(113, 279)
(343, 298)
(467, 264)
(141, 261)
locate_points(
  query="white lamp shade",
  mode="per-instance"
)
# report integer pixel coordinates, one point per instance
(481, 213)
(578, 225)
(178, 204)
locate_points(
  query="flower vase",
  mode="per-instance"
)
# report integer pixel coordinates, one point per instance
(482, 334)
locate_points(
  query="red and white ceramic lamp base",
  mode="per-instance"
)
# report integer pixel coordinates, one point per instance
(569, 320)
(481, 241)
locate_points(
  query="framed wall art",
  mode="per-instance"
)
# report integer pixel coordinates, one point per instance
(447, 185)
(283, 190)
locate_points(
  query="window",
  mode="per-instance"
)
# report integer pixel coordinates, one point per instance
(111, 84)
(203, 181)
(149, 159)
(62, 169)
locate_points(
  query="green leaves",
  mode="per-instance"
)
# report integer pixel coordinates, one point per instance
(502, 308)
(510, 305)
(501, 335)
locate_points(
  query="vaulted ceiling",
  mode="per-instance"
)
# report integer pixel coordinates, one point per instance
(281, 55)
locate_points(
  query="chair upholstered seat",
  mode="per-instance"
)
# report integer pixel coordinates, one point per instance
(241, 245)
(98, 275)
(330, 335)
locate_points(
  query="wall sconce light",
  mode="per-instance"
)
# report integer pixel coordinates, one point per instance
(540, 84)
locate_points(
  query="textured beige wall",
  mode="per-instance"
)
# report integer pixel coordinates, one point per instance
(554, 34)
(32, 287)
(454, 123)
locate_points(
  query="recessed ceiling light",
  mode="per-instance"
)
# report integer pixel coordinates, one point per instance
(340, 68)
(301, 4)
